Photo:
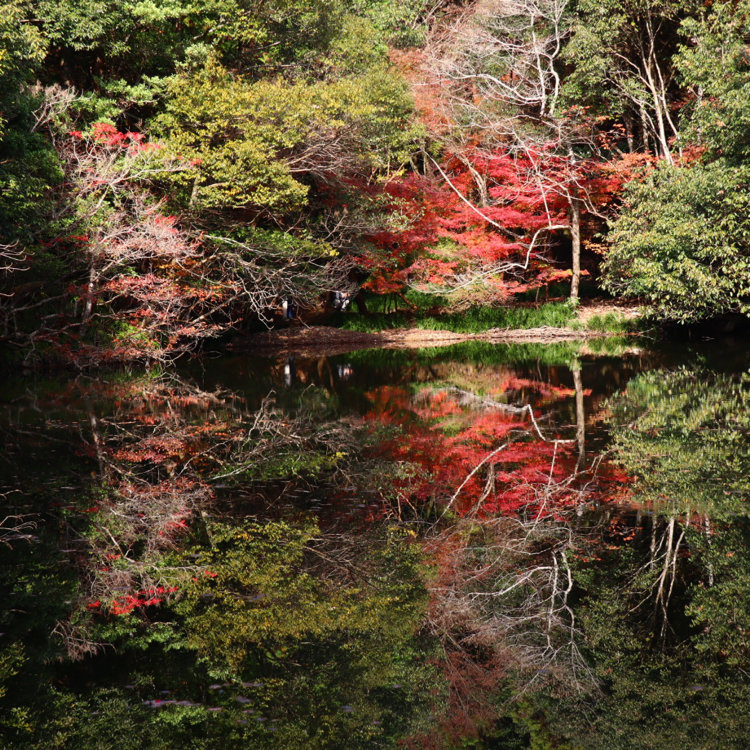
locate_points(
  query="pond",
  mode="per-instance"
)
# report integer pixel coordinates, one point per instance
(478, 546)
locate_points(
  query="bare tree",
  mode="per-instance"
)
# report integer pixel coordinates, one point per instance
(263, 275)
(163, 284)
(636, 70)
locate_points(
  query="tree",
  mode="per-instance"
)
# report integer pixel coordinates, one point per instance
(129, 46)
(135, 258)
(713, 64)
(681, 239)
(623, 65)
(681, 242)
(261, 147)
(27, 163)
(503, 68)
(265, 202)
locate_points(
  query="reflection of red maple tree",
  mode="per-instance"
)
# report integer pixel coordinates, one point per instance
(499, 596)
(478, 453)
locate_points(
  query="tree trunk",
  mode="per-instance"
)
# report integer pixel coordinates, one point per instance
(629, 132)
(644, 129)
(580, 418)
(659, 112)
(575, 234)
(663, 140)
(479, 181)
(359, 301)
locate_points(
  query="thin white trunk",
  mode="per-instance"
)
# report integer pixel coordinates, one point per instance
(575, 235)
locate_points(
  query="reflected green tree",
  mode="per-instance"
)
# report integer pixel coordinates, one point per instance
(270, 646)
(657, 613)
(683, 437)
(664, 589)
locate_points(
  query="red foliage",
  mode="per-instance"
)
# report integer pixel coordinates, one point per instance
(107, 135)
(124, 605)
(490, 206)
(447, 437)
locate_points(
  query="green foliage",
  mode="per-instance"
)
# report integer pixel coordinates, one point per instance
(11, 662)
(28, 165)
(262, 594)
(613, 345)
(682, 242)
(140, 38)
(253, 583)
(716, 67)
(657, 693)
(309, 657)
(29, 169)
(608, 50)
(403, 23)
(719, 612)
(22, 49)
(553, 314)
(683, 437)
(355, 49)
(258, 145)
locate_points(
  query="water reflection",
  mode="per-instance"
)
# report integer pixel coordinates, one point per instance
(663, 587)
(501, 546)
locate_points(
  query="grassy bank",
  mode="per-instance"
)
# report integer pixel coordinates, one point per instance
(473, 320)
(433, 312)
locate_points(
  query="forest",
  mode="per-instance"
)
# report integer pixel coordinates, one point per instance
(173, 171)
(374, 374)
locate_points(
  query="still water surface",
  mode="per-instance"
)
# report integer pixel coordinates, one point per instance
(474, 547)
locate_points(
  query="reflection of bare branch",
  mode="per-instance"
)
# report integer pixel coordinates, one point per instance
(527, 411)
(468, 398)
(661, 571)
(76, 640)
(503, 592)
(17, 528)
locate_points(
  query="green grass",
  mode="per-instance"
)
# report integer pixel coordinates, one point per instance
(375, 321)
(421, 302)
(473, 320)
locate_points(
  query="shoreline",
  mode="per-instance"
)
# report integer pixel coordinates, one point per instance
(301, 340)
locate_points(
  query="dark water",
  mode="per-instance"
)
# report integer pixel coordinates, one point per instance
(472, 547)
